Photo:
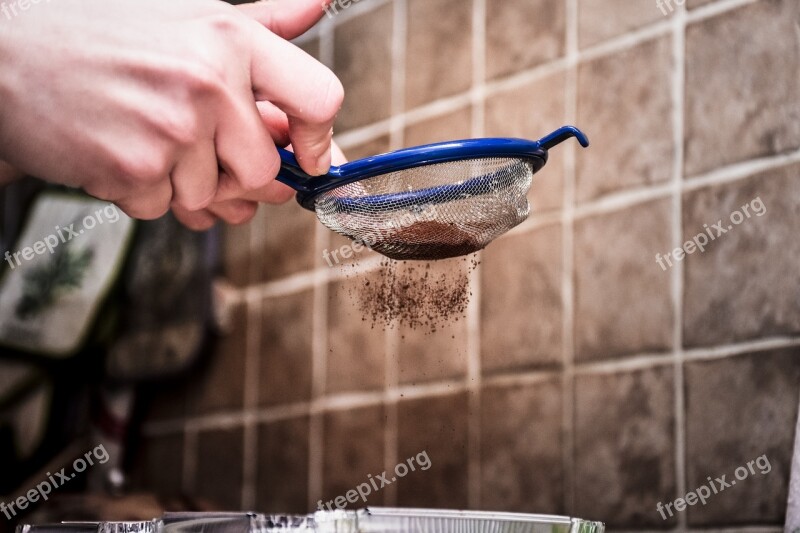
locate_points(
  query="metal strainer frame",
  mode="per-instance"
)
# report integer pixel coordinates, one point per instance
(309, 188)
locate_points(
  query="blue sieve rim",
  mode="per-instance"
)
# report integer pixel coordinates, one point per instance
(310, 187)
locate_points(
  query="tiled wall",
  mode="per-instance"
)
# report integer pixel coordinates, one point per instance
(585, 379)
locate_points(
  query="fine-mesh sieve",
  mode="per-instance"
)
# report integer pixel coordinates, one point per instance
(429, 202)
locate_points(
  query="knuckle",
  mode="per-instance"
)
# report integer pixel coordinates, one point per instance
(264, 177)
(142, 170)
(180, 126)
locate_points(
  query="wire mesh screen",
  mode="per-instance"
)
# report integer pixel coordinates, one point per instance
(432, 212)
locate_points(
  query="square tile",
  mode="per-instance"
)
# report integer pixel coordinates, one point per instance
(363, 62)
(286, 351)
(282, 474)
(600, 20)
(438, 50)
(219, 382)
(742, 86)
(624, 107)
(740, 409)
(625, 447)
(354, 444)
(521, 34)
(623, 302)
(236, 253)
(531, 112)
(438, 428)
(521, 307)
(739, 287)
(219, 470)
(356, 348)
(522, 448)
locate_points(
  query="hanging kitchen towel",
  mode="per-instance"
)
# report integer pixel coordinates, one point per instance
(57, 275)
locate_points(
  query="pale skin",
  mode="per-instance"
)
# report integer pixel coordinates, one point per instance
(158, 105)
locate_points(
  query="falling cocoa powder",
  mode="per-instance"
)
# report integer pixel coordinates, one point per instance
(411, 294)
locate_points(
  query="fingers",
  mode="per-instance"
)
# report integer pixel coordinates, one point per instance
(274, 193)
(194, 220)
(245, 151)
(195, 177)
(337, 156)
(276, 122)
(232, 212)
(286, 18)
(148, 204)
(305, 90)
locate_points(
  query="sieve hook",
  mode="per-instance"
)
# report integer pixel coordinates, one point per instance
(561, 135)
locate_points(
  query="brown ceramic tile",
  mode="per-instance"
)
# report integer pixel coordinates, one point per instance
(220, 380)
(742, 87)
(236, 253)
(438, 50)
(219, 474)
(599, 20)
(437, 427)
(521, 310)
(531, 112)
(742, 409)
(691, 4)
(356, 349)
(521, 34)
(285, 355)
(354, 445)
(625, 447)
(624, 106)
(363, 61)
(284, 241)
(622, 296)
(427, 354)
(455, 125)
(739, 288)
(282, 475)
(521, 449)
(159, 465)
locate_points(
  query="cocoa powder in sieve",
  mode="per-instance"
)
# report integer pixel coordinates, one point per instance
(429, 240)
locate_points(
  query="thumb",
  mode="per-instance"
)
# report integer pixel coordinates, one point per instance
(286, 18)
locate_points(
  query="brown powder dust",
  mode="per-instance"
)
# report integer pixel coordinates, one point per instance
(412, 294)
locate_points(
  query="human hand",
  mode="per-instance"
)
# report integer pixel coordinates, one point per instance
(153, 104)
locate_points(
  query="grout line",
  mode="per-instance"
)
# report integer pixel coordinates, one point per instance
(250, 401)
(637, 362)
(715, 8)
(677, 274)
(473, 375)
(567, 262)
(740, 170)
(517, 379)
(392, 335)
(355, 400)
(189, 475)
(318, 372)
